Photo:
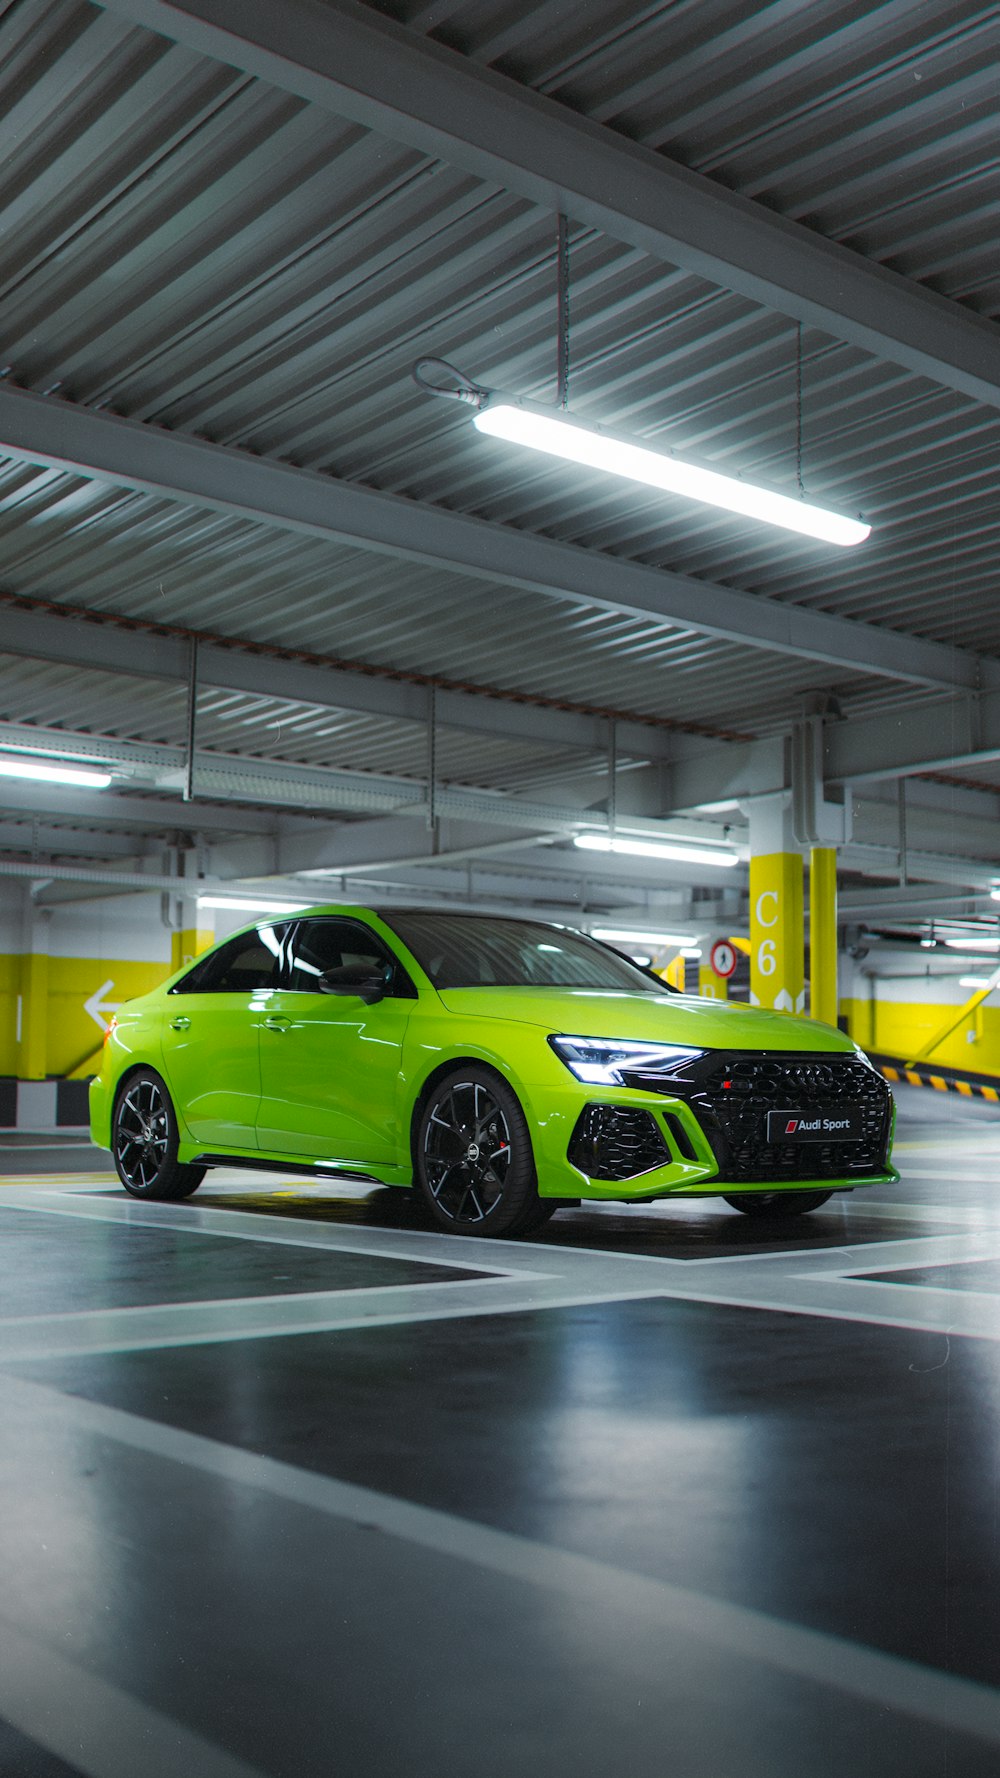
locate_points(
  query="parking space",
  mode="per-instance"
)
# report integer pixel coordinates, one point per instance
(722, 1493)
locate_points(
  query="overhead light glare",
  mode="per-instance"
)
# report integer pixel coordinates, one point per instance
(57, 774)
(558, 434)
(248, 904)
(977, 981)
(678, 850)
(973, 944)
(612, 935)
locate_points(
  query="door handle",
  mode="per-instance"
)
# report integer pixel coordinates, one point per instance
(182, 1024)
(276, 1023)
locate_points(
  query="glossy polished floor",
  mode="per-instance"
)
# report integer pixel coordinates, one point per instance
(290, 1485)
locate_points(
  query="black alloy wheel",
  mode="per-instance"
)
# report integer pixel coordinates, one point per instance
(777, 1203)
(145, 1141)
(475, 1167)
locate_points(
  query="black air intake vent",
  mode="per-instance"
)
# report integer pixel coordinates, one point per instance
(616, 1142)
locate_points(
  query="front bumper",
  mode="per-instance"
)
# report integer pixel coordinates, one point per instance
(706, 1134)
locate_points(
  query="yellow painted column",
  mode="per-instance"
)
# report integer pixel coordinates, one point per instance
(674, 972)
(33, 1016)
(187, 944)
(710, 985)
(777, 964)
(823, 934)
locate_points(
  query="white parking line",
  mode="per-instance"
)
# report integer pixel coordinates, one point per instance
(812, 1281)
(830, 1662)
(95, 1727)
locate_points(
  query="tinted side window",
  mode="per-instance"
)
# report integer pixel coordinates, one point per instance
(321, 945)
(247, 962)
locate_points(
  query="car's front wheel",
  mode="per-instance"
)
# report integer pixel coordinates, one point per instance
(777, 1203)
(475, 1167)
(145, 1139)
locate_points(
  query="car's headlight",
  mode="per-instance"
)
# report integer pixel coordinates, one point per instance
(604, 1061)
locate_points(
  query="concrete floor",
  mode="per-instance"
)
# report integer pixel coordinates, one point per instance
(291, 1485)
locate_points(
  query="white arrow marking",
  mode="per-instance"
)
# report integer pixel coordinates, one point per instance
(97, 1006)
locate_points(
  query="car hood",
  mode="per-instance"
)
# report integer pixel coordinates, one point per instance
(667, 1018)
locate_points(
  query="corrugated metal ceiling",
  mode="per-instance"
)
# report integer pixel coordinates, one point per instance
(188, 246)
(93, 546)
(229, 261)
(875, 123)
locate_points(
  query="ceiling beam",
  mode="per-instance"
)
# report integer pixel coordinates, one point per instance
(380, 843)
(82, 640)
(111, 809)
(350, 61)
(939, 734)
(59, 434)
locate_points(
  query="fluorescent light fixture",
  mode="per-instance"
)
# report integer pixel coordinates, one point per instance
(977, 981)
(559, 434)
(58, 774)
(254, 904)
(995, 894)
(678, 850)
(973, 944)
(613, 936)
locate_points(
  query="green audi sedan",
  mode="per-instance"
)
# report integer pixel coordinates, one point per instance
(499, 1067)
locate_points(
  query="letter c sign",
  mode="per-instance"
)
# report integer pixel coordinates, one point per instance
(767, 895)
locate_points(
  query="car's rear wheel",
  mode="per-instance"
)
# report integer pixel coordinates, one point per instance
(777, 1203)
(475, 1167)
(145, 1139)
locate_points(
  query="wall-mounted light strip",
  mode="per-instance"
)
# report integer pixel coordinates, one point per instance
(612, 935)
(559, 434)
(254, 904)
(54, 774)
(678, 850)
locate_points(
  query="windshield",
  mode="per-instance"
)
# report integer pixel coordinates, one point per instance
(473, 951)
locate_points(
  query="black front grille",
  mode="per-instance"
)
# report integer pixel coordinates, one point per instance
(616, 1142)
(732, 1096)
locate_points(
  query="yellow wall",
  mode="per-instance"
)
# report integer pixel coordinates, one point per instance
(902, 1028)
(72, 1034)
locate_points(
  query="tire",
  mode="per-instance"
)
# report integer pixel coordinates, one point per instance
(777, 1203)
(144, 1139)
(474, 1166)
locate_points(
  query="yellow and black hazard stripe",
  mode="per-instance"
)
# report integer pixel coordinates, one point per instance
(944, 1083)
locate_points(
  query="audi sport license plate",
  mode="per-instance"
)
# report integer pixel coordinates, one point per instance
(837, 1125)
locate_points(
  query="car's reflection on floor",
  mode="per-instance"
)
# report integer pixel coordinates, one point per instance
(704, 1229)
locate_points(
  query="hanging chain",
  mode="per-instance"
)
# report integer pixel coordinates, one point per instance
(562, 317)
(798, 410)
(192, 721)
(432, 757)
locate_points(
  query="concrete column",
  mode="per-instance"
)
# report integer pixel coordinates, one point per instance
(710, 985)
(192, 929)
(823, 1003)
(33, 996)
(187, 944)
(777, 950)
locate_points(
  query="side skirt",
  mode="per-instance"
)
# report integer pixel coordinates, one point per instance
(305, 1169)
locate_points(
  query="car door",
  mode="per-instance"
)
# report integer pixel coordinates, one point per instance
(331, 1085)
(211, 1038)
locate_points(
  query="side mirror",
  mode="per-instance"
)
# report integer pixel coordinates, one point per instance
(356, 979)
